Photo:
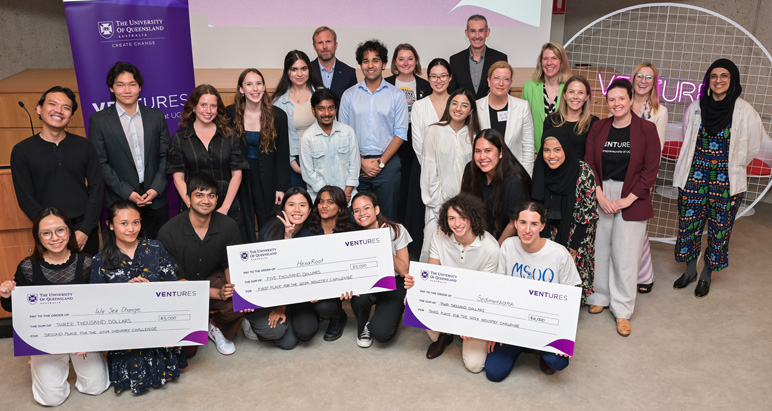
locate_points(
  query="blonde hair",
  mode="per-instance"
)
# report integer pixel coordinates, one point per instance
(654, 92)
(499, 65)
(558, 118)
(560, 52)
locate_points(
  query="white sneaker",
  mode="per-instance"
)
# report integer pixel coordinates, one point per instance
(364, 340)
(246, 328)
(224, 345)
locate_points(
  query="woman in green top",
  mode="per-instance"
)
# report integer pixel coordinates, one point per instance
(543, 92)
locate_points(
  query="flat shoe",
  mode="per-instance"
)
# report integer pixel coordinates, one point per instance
(544, 367)
(623, 327)
(702, 289)
(683, 281)
(595, 309)
(438, 347)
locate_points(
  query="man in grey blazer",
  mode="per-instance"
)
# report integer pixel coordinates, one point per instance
(333, 73)
(131, 141)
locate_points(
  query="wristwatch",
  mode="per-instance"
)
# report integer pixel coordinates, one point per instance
(381, 164)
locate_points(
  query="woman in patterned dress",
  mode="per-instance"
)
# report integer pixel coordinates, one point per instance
(126, 258)
(565, 185)
(722, 135)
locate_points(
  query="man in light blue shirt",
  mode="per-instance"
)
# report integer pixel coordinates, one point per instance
(377, 111)
(329, 153)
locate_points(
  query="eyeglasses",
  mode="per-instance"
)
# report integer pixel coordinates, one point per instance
(60, 232)
(454, 103)
(434, 77)
(640, 76)
(722, 76)
(498, 79)
(358, 211)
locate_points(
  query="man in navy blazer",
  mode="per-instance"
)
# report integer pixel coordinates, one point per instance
(333, 73)
(470, 66)
(131, 141)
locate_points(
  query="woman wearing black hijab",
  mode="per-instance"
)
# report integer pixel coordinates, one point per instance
(565, 186)
(722, 135)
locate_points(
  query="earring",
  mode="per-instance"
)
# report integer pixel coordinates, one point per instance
(708, 91)
(500, 155)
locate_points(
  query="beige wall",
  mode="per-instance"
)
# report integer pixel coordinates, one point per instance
(33, 34)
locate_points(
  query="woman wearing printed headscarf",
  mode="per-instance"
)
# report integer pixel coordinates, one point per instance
(722, 135)
(565, 186)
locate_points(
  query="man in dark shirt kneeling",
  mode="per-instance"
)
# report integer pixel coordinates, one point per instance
(197, 240)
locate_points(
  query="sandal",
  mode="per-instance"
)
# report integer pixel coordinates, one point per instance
(645, 288)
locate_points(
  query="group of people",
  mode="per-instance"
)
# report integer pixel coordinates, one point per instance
(488, 182)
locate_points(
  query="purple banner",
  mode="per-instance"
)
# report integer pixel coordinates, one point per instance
(154, 35)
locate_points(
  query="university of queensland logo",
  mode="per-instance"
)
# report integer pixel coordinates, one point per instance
(244, 256)
(424, 274)
(106, 29)
(32, 298)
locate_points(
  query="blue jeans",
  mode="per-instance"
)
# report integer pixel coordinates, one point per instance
(500, 362)
(385, 186)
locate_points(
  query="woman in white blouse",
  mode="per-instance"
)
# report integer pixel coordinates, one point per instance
(446, 150)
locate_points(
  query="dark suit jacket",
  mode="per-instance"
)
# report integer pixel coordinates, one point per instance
(343, 78)
(274, 174)
(642, 169)
(117, 163)
(462, 77)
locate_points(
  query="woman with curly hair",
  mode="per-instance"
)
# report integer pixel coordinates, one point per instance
(203, 144)
(461, 242)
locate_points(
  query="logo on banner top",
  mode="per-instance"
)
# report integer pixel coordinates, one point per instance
(32, 298)
(424, 274)
(244, 256)
(106, 29)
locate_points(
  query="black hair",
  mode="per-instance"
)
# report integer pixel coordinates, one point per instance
(621, 83)
(275, 229)
(342, 220)
(72, 243)
(119, 68)
(380, 218)
(372, 45)
(324, 94)
(469, 207)
(291, 58)
(508, 166)
(110, 252)
(439, 61)
(201, 181)
(59, 89)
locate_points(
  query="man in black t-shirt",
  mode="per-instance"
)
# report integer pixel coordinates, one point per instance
(197, 240)
(59, 169)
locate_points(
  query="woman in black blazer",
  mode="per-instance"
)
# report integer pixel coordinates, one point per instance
(262, 131)
(406, 66)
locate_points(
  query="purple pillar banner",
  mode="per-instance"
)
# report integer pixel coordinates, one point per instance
(154, 35)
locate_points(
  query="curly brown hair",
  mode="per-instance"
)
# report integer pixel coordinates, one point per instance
(469, 207)
(189, 115)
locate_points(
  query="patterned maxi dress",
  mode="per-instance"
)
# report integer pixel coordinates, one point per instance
(140, 369)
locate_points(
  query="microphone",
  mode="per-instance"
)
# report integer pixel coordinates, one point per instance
(28, 115)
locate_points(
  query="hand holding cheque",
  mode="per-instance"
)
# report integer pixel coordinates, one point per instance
(493, 307)
(311, 268)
